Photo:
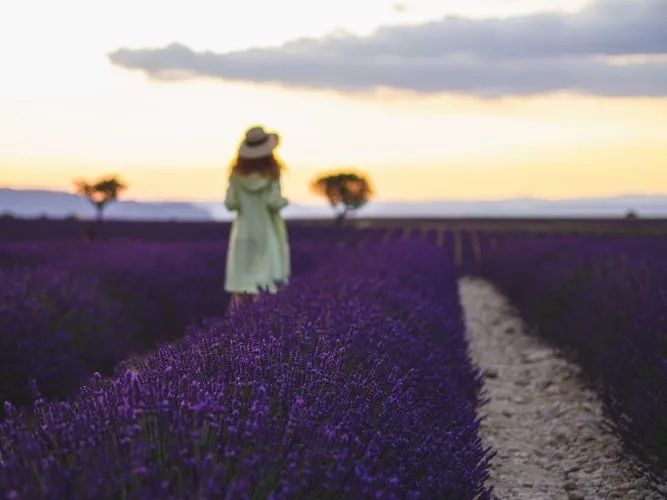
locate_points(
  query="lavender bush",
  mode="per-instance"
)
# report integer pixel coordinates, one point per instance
(604, 299)
(353, 382)
(53, 328)
(44, 229)
(68, 309)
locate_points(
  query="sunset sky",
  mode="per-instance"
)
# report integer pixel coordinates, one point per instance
(434, 99)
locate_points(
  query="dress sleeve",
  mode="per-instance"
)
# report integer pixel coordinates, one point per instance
(275, 200)
(231, 199)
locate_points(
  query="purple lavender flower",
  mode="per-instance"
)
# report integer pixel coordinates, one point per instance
(346, 384)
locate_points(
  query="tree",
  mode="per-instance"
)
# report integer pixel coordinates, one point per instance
(346, 191)
(101, 192)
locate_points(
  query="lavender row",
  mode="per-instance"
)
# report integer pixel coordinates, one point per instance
(70, 307)
(16, 229)
(603, 299)
(352, 382)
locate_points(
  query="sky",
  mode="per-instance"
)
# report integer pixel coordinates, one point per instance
(433, 99)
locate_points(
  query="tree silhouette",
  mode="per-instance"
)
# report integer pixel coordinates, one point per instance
(101, 192)
(346, 191)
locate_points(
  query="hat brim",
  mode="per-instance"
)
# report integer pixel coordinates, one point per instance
(260, 151)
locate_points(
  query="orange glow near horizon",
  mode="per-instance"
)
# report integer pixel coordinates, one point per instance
(560, 175)
(412, 147)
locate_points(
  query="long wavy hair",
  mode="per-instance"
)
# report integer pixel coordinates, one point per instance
(269, 166)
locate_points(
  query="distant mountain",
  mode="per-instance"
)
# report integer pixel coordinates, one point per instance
(291, 211)
(616, 206)
(57, 204)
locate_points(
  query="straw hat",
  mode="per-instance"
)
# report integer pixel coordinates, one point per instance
(258, 143)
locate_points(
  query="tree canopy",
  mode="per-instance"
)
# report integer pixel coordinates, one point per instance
(100, 193)
(346, 191)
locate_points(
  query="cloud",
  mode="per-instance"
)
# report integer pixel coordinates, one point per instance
(400, 6)
(523, 55)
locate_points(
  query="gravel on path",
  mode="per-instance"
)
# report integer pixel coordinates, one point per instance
(545, 424)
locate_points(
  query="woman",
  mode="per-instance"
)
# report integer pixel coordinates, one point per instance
(258, 257)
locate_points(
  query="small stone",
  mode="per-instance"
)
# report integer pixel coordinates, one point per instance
(552, 390)
(570, 486)
(490, 372)
(544, 384)
(561, 434)
(533, 357)
(575, 495)
(588, 407)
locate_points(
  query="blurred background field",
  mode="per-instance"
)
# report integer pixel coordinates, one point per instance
(593, 288)
(324, 389)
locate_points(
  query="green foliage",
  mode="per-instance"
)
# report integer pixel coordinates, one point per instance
(100, 193)
(346, 191)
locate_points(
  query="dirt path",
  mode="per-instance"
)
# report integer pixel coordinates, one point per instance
(545, 424)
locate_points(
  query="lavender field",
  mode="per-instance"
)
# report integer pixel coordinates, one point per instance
(70, 307)
(353, 381)
(122, 375)
(603, 300)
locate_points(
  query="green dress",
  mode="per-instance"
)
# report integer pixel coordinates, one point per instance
(258, 256)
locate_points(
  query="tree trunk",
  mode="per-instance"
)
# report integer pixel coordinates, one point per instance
(100, 211)
(340, 219)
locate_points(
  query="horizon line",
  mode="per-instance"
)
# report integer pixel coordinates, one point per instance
(525, 197)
